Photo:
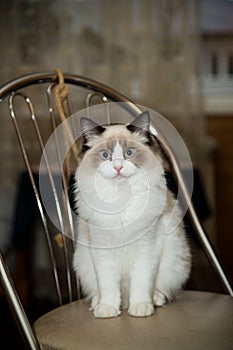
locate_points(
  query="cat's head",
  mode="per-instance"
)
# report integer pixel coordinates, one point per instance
(118, 151)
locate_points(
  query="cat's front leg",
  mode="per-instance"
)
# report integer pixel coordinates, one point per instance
(109, 291)
(142, 280)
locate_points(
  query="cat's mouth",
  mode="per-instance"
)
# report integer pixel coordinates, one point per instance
(116, 171)
(120, 176)
(117, 176)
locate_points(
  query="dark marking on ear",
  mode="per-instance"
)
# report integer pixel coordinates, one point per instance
(89, 128)
(141, 123)
(84, 147)
(150, 141)
(141, 126)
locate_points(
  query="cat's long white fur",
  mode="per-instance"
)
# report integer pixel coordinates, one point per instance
(124, 256)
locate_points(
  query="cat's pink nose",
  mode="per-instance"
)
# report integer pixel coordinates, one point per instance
(118, 168)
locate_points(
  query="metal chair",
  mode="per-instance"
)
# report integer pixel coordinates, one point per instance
(195, 320)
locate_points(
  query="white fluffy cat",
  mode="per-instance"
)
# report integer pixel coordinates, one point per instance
(125, 258)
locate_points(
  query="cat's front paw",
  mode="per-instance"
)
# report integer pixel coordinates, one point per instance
(159, 299)
(141, 309)
(105, 311)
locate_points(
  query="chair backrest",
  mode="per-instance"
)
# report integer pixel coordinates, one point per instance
(50, 90)
(27, 104)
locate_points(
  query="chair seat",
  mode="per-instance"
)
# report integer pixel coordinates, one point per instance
(197, 320)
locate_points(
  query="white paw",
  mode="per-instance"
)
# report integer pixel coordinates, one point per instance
(105, 311)
(94, 302)
(141, 309)
(159, 299)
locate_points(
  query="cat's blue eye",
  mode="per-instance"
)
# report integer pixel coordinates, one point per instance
(129, 152)
(105, 155)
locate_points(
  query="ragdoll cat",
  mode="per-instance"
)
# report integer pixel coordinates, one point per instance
(125, 258)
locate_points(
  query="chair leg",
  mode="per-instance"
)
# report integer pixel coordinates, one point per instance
(17, 307)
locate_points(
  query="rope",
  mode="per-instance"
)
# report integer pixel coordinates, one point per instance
(61, 93)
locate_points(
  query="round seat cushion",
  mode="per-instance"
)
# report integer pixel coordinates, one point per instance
(196, 320)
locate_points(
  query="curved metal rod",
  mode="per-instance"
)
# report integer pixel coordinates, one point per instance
(66, 198)
(54, 126)
(103, 98)
(73, 79)
(208, 249)
(16, 307)
(51, 179)
(54, 190)
(30, 172)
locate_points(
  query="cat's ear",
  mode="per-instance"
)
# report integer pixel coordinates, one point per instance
(141, 124)
(89, 128)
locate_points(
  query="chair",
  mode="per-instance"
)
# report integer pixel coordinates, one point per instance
(197, 320)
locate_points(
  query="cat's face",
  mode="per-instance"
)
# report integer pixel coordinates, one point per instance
(116, 158)
(118, 151)
(120, 169)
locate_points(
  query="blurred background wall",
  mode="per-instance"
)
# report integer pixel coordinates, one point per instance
(175, 56)
(148, 50)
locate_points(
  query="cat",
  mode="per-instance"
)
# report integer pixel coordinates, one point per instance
(124, 257)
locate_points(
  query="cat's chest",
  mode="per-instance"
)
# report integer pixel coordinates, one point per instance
(124, 191)
(124, 206)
